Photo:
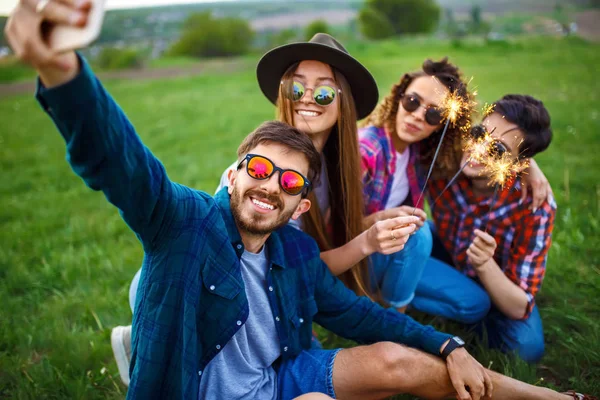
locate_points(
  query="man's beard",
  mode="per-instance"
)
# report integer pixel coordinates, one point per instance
(255, 225)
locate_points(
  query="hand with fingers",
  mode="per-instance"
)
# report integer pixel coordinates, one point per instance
(470, 380)
(481, 249)
(27, 29)
(390, 235)
(540, 187)
(403, 211)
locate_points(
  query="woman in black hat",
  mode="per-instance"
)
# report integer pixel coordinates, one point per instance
(322, 90)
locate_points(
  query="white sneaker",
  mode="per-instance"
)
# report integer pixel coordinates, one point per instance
(120, 340)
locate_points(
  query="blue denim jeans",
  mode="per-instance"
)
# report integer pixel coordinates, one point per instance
(445, 291)
(310, 371)
(397, 275)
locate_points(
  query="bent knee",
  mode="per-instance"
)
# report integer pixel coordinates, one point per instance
(473, 309)
(313, 396)
(420, 243)
(391, 355)
(530, 350)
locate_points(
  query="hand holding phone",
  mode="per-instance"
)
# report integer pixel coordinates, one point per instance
(68, 37)
(43, 33)
(65, 37)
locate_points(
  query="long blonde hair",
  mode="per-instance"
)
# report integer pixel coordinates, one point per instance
(342, 157)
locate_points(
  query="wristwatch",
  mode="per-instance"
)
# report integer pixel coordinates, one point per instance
(452, 345)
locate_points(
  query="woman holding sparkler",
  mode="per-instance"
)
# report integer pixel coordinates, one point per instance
(397, 146)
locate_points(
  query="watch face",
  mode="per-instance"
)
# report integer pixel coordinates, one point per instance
(458, 340)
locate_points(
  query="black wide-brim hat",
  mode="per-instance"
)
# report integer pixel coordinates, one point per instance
(326, 49)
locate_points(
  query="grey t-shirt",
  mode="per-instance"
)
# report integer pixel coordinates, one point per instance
(321, 190)
(243, 369)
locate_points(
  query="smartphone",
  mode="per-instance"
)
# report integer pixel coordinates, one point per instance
(64, 38)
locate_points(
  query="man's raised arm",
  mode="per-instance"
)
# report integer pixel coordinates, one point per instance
(102, 146)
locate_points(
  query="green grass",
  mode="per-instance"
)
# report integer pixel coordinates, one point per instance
(66, 257)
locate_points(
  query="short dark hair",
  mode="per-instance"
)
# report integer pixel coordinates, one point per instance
(530, 115)
(288, 136)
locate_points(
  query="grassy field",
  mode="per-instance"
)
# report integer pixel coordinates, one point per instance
(66, 257)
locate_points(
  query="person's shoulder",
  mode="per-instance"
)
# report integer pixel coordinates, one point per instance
(547, 209)
(371, 140)
(370, 133)
(298, 244)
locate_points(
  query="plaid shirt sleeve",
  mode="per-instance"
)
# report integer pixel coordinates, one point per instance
(368, 160)
(373, 166)
(105, 151)
(527, 264)
(358, 318)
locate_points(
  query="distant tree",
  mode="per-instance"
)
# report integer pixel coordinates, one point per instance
(450, 25)
(374, 25)
(404, 16)
(205, 36)
(2, 25)
(282, 37)
(317, 26)
(476, 15)
(477, 25)
(114, 58)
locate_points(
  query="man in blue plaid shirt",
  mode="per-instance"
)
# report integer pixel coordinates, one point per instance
(228, 291)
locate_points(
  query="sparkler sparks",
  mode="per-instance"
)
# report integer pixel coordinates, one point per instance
(503, 168)
(453, 107)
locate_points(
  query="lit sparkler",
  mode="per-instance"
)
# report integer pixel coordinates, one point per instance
(478, 147)
(453, 107)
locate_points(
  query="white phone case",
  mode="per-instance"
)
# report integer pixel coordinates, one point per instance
(63, 38)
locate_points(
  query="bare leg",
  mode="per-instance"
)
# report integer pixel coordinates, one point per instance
(313, 396)
(385, 369)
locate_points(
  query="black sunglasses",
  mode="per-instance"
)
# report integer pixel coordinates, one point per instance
(261, 168)
(433, 115)
(496, 148)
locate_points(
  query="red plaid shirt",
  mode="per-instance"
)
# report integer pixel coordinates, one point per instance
(523, 237)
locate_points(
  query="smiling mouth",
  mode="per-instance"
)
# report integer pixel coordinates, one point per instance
(307, 113)
(263, 204)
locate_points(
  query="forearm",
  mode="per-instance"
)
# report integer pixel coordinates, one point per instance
(369, 220)
(52, 76)
(362, 320)
(104, 149)
(343, 258)
(510, 299)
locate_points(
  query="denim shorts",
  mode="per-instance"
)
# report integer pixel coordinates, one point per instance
(310, 371)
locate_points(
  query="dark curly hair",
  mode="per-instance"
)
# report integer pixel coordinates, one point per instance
(530, 115)
(449, 75)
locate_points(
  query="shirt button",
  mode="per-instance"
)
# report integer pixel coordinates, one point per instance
(239, 323)
(285, 348)
(239, 246)
(277, 319)
(199, 373)
(301, 320)
(212, 287)
(270, 288)
(218, 347)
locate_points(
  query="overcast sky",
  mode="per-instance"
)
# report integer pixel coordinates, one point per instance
(7, 5)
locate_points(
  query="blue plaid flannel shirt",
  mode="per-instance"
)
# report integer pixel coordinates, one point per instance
(191, 298)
